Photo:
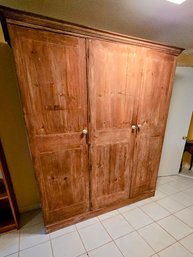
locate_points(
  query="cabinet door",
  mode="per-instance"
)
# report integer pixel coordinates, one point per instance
(52, 76)
(152, 114)
(114, 79)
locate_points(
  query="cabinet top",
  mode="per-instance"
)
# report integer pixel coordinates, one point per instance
(13, 16)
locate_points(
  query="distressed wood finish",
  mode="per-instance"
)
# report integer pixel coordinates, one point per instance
(52, 76)
(73, 77)
(153, 107)
(114, 79)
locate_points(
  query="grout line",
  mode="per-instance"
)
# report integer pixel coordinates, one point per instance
(61, 234)
(88, 224)
(51, 246)
(152, 247)
(34, 245)
(185, 246)
(82, 241)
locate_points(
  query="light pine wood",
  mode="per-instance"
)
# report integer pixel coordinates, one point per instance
(114, 76)
(153, 107)
(74, 78)
(52, 76)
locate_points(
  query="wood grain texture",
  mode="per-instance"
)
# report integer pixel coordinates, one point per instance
(114, 79)
(52, 76)
(74, 78)
(87, 215)
(153, 107)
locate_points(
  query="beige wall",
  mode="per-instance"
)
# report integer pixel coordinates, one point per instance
(1, 35)
(185, 60)
(13, 134)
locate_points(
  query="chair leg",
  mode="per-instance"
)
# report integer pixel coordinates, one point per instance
(180, 166)
(191, 162)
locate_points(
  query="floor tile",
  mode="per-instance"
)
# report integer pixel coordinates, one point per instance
(137, 218)
(38, 251)
(165, 179)
(117, 226)
(62, 231)
(186, 216)
(14, 255)
(167, 189)
(68, 245)
(191, 207)
(31, 218)
(155, 211)
(188, 242)
(86, 223)
(9, 243)
(175, 227)
(32, 235)
(158, 195)
(189, 191)
(170, 204)
(106, 250)
(144, 202)
(183, 198)
(133, 245)
(108, 215)
(156, 236)
(175, 250)
(127, 208)
(179, 184)
(94, 236)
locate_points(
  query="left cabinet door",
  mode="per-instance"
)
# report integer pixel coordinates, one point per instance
(51, 71)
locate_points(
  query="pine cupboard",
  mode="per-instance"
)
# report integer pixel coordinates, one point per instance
(95, 105)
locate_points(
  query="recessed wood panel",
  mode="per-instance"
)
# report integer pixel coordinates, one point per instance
(111, 170)
(52, 74)
(57, 63)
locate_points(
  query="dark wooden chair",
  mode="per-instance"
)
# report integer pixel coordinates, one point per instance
(188, 148)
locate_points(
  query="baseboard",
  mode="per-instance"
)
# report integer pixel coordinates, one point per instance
(29, 208)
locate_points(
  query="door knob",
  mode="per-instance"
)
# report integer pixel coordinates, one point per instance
(84, 131)
(134, 127)
(139, 126)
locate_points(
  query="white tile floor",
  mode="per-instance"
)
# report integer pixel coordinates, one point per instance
(161, 226)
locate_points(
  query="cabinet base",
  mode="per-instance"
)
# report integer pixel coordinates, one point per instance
(93, 213)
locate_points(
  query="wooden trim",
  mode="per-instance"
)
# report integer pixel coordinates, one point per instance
(90, 214)
(27, 19)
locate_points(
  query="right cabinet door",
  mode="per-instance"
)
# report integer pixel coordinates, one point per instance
(153, 106)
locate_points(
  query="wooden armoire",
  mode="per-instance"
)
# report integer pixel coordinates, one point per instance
(95, 105)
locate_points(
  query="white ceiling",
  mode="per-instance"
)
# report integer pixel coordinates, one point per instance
(157, 20)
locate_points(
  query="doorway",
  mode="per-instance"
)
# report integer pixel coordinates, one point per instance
(186, 167)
